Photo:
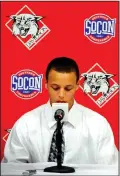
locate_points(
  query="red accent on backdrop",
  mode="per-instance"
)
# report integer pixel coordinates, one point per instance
(66, 38)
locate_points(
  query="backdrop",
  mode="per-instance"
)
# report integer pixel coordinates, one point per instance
(33, 33)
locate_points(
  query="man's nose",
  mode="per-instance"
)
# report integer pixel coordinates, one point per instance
(61, 93)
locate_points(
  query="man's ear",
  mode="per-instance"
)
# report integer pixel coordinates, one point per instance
(77, 85)
(46, 85)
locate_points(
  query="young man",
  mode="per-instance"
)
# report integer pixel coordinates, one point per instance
(88, 137)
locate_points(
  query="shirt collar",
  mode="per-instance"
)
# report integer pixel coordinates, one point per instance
(73, 118)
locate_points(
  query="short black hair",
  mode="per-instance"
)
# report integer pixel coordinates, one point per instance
(63, 64)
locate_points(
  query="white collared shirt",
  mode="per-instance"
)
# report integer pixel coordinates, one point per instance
(88, 137)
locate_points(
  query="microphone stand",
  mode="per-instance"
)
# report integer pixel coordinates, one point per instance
(59, 168)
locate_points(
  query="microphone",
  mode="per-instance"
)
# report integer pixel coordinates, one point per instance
(60, 111)
(59, 114)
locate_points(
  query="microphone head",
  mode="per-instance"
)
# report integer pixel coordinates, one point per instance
(63, 107)
(59, 114)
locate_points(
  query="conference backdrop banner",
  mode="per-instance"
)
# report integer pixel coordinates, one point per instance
(33, 33)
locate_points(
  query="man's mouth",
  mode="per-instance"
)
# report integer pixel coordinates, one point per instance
(61, 101)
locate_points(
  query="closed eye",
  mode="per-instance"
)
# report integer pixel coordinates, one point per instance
(57, 88)
(68, 89)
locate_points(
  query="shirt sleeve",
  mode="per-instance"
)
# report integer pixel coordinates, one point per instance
(107, 151)
(16, 149)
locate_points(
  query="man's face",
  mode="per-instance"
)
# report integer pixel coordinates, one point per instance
(62, 87)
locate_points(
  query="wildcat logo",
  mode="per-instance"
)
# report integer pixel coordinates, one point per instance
(99, 28)
(96, 82)
(27, 27)
(26, 84)
(98, 85)
(25, 24)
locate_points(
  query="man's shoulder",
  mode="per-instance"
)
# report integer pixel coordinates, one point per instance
(89, 113)
(94, 121)
(37, 110)
(29, 121)
(33, 114)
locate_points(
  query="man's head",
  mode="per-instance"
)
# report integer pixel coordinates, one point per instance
(62, 76)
